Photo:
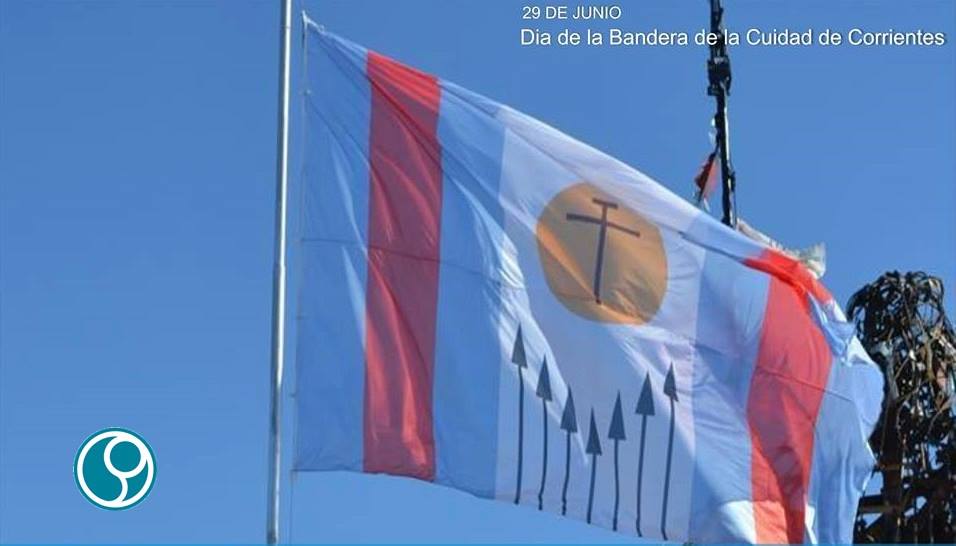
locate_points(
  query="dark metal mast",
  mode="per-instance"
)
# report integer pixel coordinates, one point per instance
(718, 75)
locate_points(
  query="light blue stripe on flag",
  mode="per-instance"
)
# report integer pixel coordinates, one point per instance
(330, 356)
(841, 462)
(468, 354)
(732, 300)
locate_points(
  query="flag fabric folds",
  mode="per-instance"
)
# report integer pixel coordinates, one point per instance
(706, 178)
(814, 257)
(493, 306)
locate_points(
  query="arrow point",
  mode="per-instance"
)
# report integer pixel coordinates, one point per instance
(594, 442)
(544, 382)
(517, 354)
(569, 421)
(670, 384)
(645, 404)
(616, 432)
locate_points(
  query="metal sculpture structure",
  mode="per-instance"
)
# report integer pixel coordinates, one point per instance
(902, 325)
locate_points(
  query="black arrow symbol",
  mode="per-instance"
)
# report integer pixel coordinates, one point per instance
(544, 393)
(645, 408)
(593, 449)
(670, 389)
(519, 359)
(569, 424)
(616, 433)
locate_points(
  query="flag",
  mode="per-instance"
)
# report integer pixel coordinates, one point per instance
(706, 179)
(466, 268)
(814, 257)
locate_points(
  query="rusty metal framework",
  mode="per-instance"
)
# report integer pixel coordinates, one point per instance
(901, 323)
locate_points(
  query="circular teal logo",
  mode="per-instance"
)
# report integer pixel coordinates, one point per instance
(115, 469)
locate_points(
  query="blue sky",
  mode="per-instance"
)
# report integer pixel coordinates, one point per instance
(137, 156)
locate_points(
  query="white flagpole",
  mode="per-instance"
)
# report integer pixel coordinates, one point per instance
(278, 279)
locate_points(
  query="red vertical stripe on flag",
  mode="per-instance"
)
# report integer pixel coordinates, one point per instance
(402, 290)
(793, 366)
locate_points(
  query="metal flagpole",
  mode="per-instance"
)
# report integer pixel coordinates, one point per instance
(718, 75)
(278, 279)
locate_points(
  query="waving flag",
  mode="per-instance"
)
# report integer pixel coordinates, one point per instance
(706, 178)
(814, 258)
(491, 305)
